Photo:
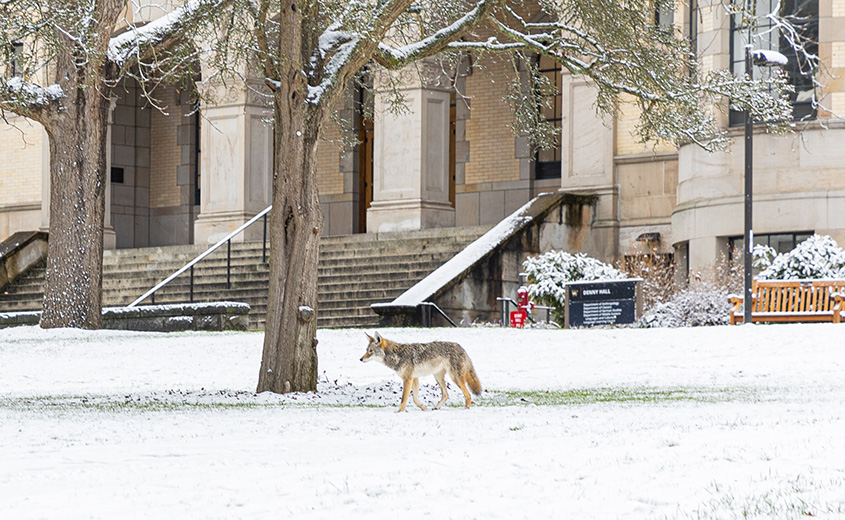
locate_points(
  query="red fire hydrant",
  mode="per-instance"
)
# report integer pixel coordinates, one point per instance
(523, 307)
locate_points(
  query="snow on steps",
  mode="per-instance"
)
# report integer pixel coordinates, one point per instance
(404, 308)
(354, 272)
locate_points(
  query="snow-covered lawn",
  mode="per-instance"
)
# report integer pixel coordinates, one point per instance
(719, 422)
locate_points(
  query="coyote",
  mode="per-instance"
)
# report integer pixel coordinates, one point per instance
(412, 360)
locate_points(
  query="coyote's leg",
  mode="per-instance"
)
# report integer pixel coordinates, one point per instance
(406, 388)
(416, 393)
(463, 386)
(440, 377)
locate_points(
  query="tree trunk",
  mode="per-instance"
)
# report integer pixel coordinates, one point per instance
(289, 361)
(74, 279)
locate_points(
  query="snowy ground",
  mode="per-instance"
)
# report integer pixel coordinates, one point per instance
(607, 423)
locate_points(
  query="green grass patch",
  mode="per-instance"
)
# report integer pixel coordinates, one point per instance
(223, 401)
(636, 395)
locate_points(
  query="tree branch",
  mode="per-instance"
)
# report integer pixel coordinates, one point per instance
(28, 99)
(397, 57)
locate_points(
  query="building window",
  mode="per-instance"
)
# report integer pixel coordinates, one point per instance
(693, 27)
(117, 175)
(804, 17)
(548, 160)
(780, 242)
(664, 17)
(17, 54)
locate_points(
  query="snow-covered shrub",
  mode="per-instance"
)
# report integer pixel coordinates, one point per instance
(549, 273)
(761, 256)
(704, 305)
(817, 257)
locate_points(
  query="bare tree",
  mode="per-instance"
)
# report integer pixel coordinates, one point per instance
(308, 52)
(56, 68)
(64, 44)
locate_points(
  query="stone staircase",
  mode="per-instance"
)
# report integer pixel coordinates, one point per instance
(354, 271)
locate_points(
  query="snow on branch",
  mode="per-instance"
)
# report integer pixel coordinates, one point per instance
(131, 44)
(400, 56)
(26, 98)
(339, 56)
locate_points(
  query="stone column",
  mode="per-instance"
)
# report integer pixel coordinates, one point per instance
(45, 181)
(236, 158)
(411, 152)
(588, 169)
(109, 235)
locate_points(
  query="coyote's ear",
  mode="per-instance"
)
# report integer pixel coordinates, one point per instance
(382, 342)
(369, 337)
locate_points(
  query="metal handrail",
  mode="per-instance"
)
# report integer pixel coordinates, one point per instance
(426, 316)
(190, 265)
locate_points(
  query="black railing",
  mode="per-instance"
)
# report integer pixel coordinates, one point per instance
(190, 265)
(425, 314)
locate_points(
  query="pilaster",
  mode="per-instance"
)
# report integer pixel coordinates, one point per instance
(236, 158)
(411, 151)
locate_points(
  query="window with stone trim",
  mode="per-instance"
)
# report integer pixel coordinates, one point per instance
(548, 160)
(803, 15)
(664, 17)
(780, 242)
(692, 26)
(17, 52)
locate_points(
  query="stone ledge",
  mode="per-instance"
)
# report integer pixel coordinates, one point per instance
(158, 318)
(21, 252)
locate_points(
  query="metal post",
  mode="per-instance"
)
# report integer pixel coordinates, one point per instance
(749, 233)
(228, 264)
(192, 284)
(264, 242)
(425, 315)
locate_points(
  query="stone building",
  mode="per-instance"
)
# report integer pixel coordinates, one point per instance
(451, 159)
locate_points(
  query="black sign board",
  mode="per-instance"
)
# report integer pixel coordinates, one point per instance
(602, 303)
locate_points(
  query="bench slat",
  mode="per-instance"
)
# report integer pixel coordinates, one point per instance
(793, 300)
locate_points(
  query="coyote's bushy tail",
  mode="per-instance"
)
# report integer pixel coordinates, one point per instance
(472, 381)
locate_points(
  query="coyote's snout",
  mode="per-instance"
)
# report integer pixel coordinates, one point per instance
(413, 360)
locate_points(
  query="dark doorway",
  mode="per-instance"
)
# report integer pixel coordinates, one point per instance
(365, 171)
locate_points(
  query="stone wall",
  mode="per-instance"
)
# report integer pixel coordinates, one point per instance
(22, 145)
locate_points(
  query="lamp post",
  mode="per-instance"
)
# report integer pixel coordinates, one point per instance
(765, 59)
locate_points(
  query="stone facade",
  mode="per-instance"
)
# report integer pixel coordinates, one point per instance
(22, 156)
(453, 160)
(798, 180)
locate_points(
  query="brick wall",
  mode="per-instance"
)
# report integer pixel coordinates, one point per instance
(627, 142)
(20, 162)
(164, 163)
(491, 140)
(329, 175)
(832, 54)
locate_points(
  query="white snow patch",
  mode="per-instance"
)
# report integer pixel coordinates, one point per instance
(32, 93)
(671, 423)
(769, 57)
(124, 45)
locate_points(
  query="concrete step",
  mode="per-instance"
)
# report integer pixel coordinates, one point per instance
(353, 272)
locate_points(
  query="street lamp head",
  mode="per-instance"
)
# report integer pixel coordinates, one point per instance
(767, 58)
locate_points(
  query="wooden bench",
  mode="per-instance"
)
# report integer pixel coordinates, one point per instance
(792, 300)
